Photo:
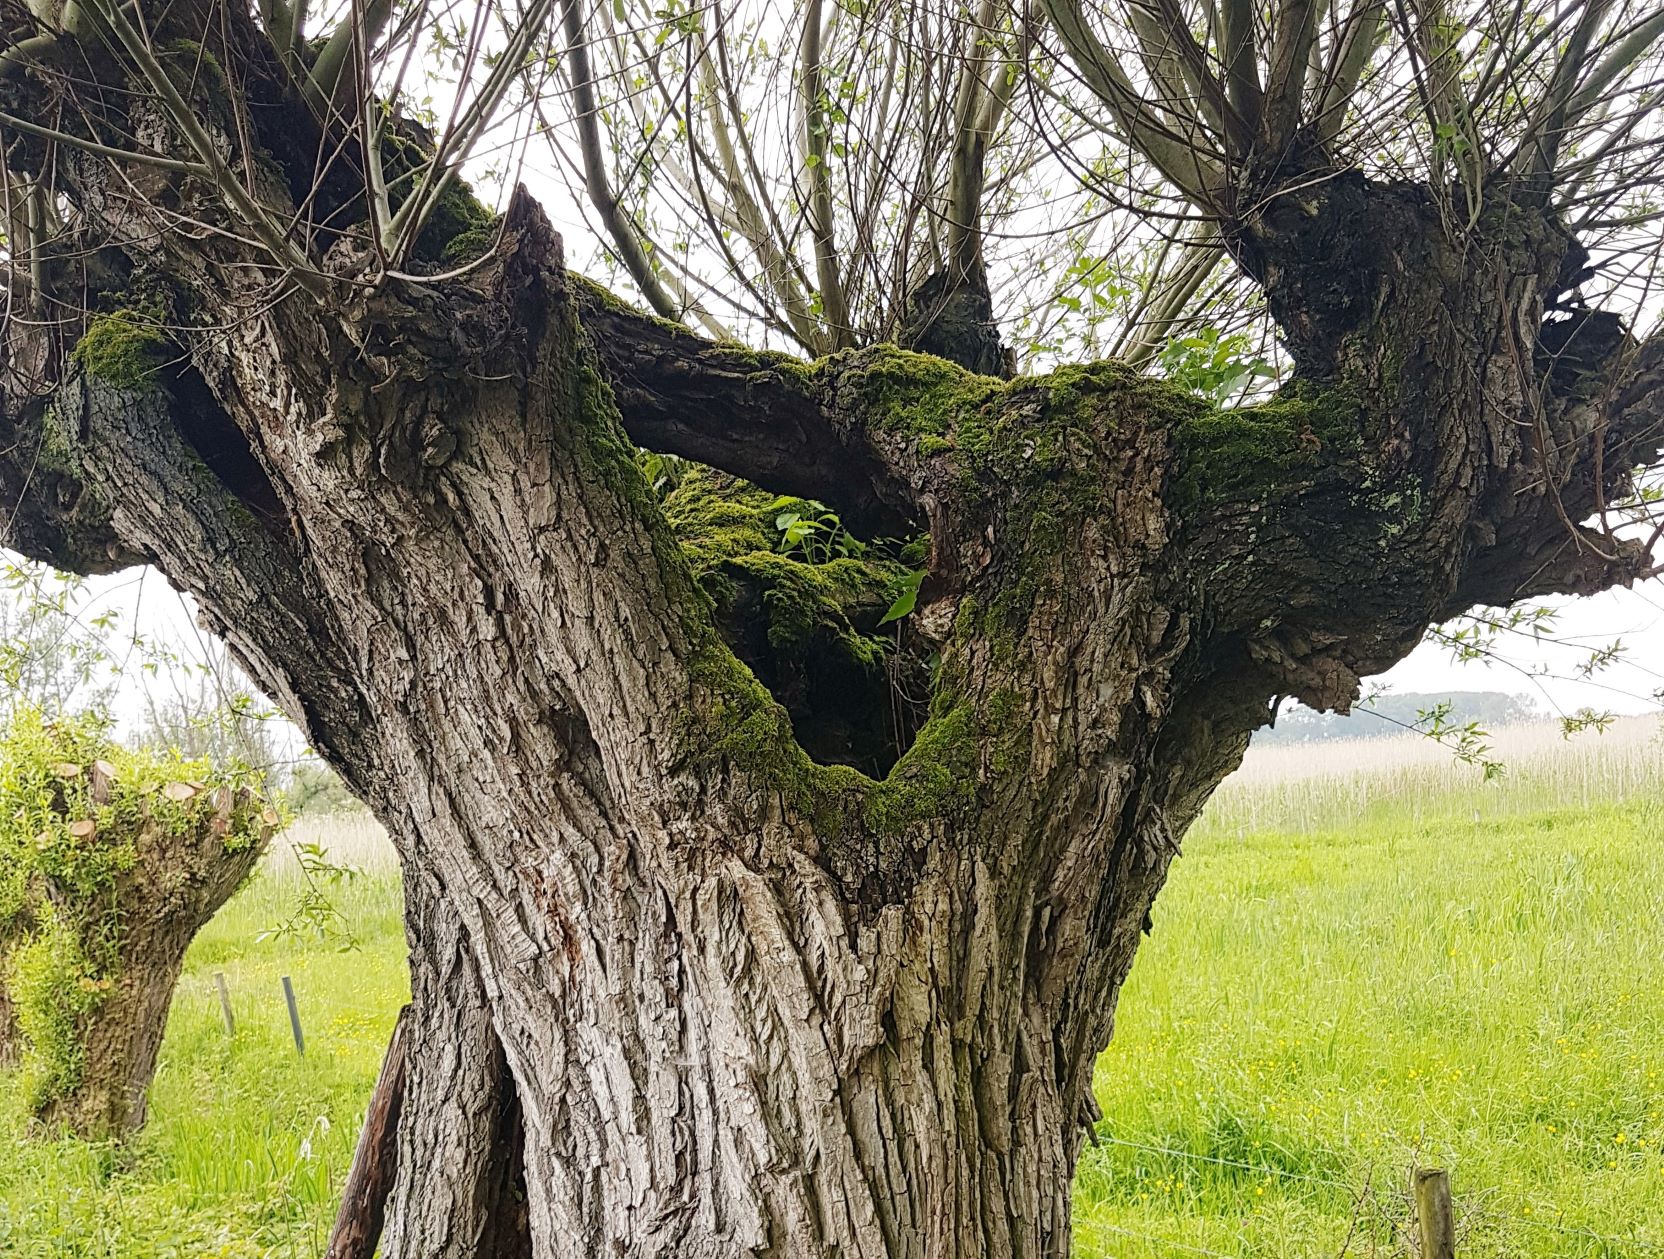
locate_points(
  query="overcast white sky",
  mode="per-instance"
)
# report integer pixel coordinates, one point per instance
(1634, 617)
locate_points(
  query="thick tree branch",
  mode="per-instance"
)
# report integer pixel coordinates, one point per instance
(1240, 52)
(1626, 54)
(1179, 155)
(1548, 128)
(1359, 37)
(1296, 31)
(759, 415)
(1175, 61)
(986, 78)
(1634, 424)
(125, 486)
(818, 175)
(48, 513)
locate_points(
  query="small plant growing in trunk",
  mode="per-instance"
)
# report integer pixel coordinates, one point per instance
(110, 862)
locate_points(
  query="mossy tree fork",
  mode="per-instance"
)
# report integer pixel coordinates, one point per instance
(678, 988)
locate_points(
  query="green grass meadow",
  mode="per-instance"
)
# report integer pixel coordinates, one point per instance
(1365, 960)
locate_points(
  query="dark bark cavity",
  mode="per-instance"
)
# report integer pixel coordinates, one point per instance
(221, 445)
(801, 601)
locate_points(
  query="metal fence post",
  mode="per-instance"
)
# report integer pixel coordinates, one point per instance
(294, 1016)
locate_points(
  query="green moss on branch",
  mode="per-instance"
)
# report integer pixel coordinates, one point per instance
(122, 348)
(730, 532)
(1021, 436)
(460, 228)
(1264, 449)
(936, 778)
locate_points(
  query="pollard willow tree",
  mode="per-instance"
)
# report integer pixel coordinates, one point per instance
(110, 862)
(708, 958)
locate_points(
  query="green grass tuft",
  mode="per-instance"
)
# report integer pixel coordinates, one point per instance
(1353, 973)
(247, 1142)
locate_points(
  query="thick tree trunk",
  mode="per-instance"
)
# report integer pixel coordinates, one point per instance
(677, 989)
(121, 1043)
(738, 1068)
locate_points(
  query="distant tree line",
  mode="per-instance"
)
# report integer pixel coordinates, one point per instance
(315, 789)
(1383, 716)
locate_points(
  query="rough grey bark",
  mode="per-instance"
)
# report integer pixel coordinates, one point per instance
(679, 991)
(459, 1192)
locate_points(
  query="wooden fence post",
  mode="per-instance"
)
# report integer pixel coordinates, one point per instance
(1433, 1210)
(225, 1004)
(294, 1016)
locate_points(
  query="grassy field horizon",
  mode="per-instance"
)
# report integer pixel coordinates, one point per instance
(1369, 959)
(1366, 959)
